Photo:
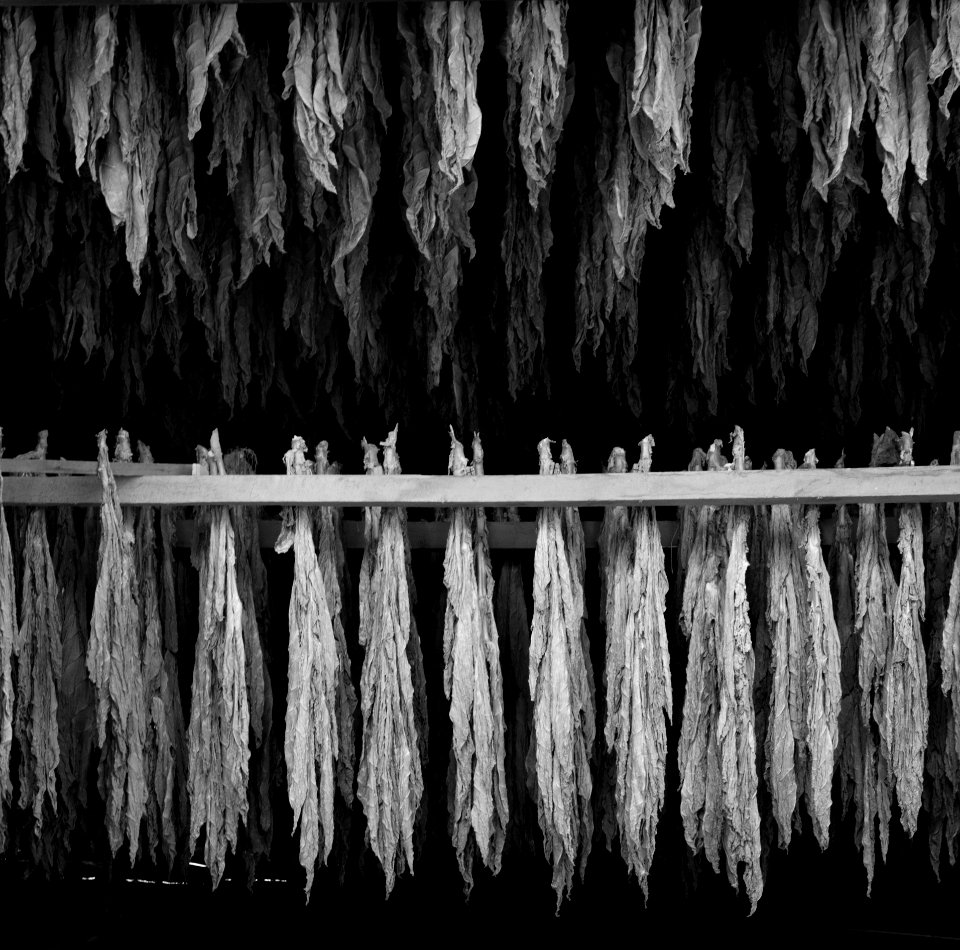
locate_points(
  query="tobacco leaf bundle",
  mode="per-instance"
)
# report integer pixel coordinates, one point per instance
(390, 780)
(757, 584)
(314, 70)
(442, 47)
(945, 55)
(8, 634)
(788, 621)
(829, 68)
(217, 735)
(332, 561)
(37, 654)
(904, 691)
(18, 40)
(822, 690)
(575, 543)
(735, 141)
(898, 68)
(645, 696)
(941, 794)
(718, 739)
(76, 702)
(473, 685)
(577, 556)
(200, 37)
(539, 97)
(563, 710)
(699, 760)
(115, 664)
(333, 66)
(849, 757)
(616, 565)
(251, 584)
(876, 592)
(488, 627)
(246, 138)
(127, 171)
(644, 138)
(735, 720)
(311, 739)
(84, 68)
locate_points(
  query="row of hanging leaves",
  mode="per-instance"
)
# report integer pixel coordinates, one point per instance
(822, 188)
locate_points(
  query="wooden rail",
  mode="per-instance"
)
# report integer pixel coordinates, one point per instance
(812, 486)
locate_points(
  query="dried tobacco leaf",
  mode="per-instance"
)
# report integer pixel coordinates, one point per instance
(945, 56)
(735, 716)
(708, 286)
(311, 738)
(735, 142)
(246, 138)
(539, 97)
(114, 661)
(340, 116)
(251, 581)
(903, 696)
(575, 543)
(886, 26)
(645, 700)
(85, 72)
(217, 736)
(561, 691)
(390, 780)
(201, 35)
(491, 649)
(158, 749)
(833, 86)
(822, 690)
(18, 40)
(332, 561)
(788, 621)
(314, 70)
(164, 750)
(616, 566)
(128, 169)
(941, 794)
(876, 592)
(699, 760)
(442, 46)
(37, 654)
(473, 685)
(849, 757)
(648, 122)
(666, 39)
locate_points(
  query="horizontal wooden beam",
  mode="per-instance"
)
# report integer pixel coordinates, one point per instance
(812, 486)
